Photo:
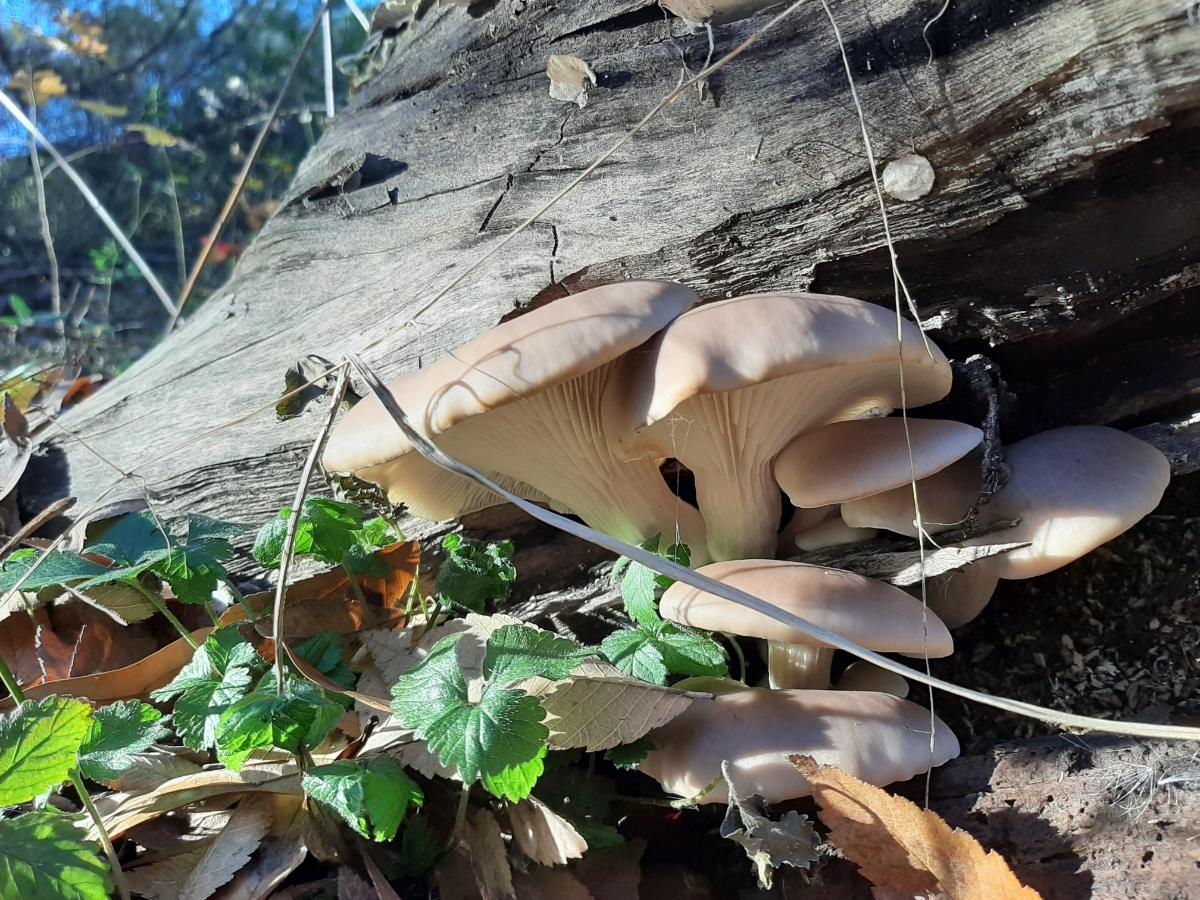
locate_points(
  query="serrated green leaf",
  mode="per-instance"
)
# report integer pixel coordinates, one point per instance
(45, 857)
(420, 848)
(505, 729)
(632, 651)
(117, 732)
(517, 652)
(360, 559)
(689, 652)
(259, 722)
(192, 573)
(39, 745)
(628, 756)
(198, 710)
(326, 530)
(641, 585)
(475, 573)
(328, 709)
(203, 529)
(223, 648)
(371, 797)
(131, 538)
(60, 567)
(516, 782)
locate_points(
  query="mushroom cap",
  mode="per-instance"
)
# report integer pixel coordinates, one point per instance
(517, 358)
(861, 675)
(946, 498)
(749, 340)
(1073, 489)
(833, 532)
(876, 737)
(959, 596)
(846, 461)
(870, 613)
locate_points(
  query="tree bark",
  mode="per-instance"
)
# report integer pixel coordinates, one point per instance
(1060, 238)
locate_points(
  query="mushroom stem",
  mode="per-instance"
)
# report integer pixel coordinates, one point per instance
(741, 509)
(798, 665)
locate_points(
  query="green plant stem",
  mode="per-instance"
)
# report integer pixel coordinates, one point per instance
(212, 614)
(105, 841)
(241, 599)
(159, 604)
(355, 587)
(10, 682)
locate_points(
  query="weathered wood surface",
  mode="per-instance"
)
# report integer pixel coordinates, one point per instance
(1076, 818)
(1061, 237)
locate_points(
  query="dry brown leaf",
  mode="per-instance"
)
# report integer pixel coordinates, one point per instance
(352, 886)
(161, 880)
(550, 884)
(597, 710)
(612, 873)
(543, 835)
(900, 847)
(128, 683)
(282, 850)
(403, 560)
(152, 769)
(123, 811)
(231, 849)
(55, 656)
(481, 839)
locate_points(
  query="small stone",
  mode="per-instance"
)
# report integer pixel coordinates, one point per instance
(908, 178)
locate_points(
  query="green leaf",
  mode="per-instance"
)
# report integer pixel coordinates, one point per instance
(328, 709)
(39, 745)
(420, 848)
(516, 782)
(60, 567)
(118, 732)
(689, 652)
(217, 677)
(629, 756)
(202, 529)
(632, 651)
(259, 722)
(44, 857)
(372, 797)
(324, 653)
(192, 573)
(505, 729)
(20, 307)
(517, 652)
(326, 530)
(360, 559)
(475, 573)
(641, 586)
(132, 539)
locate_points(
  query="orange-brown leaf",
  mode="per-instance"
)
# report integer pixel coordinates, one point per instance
(901, 848)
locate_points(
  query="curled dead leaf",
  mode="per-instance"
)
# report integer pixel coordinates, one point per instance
(570, 78)
(901, 848)
(543, 835)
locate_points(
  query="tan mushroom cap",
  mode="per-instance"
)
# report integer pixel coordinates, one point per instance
(945, 497)
(1073, 489)
(958, 597)
(861, 675)
(846, 461)
(876, 737)
(870, 613)
(726, 386)
(833, 532)
(525, 401)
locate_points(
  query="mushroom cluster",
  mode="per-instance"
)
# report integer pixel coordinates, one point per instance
(579, 403)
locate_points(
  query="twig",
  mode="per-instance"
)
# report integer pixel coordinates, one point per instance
(54, 509)
(360, 15)
(39, 183)
(289, 539)
(327, 61)
(251, 157)
(741, 598)
(114, 229)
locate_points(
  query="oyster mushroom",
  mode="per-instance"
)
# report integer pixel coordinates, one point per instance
(876, 615)
(524, 400)
(1072, 489)
(726, 386)
(876, 737)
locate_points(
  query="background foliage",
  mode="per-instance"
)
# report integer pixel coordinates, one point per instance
(155, 102)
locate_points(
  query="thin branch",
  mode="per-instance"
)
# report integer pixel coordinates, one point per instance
(360, 15)
(39, 183)
(93, 201)
(815, 633)
(251, 158)
(327, 62)
(289, 539)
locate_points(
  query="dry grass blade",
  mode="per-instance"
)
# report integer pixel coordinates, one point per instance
(687, 576)
(902, 849)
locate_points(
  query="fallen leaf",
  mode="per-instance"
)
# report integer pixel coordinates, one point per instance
(45, 85)
(55, 656)
(281, 852)
(597, 710)
(769, 844)
(543, 835)
(902, 848)
(550, 884)
(613, 873)
(483, 844)
(152, 769)
(161, 880)
(101, 108)
(230, 850)
(310, 672)
(15, 446)
(351, 886)
(569, 78)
